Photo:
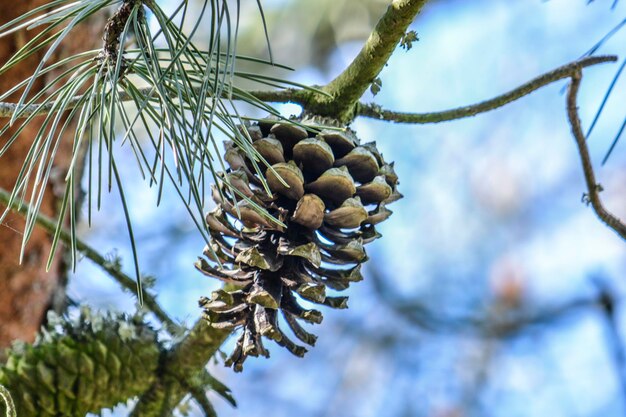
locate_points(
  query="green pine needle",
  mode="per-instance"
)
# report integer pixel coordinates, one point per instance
(157, 85)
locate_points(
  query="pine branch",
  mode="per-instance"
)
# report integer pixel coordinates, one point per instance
(566, 71)
(286, 95)
(186, 361)
(349, 86)
(49, 225)
(593, 188)
(343, 92)
(95, 361)
(200, 396)
(372, 110)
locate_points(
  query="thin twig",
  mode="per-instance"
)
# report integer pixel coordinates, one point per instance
(124, 280)
(566, 71)
(593, 188)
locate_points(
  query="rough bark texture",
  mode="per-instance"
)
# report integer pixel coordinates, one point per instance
(27, 290)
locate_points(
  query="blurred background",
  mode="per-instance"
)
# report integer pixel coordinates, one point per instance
(495, 290)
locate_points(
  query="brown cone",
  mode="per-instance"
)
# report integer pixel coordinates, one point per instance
(330, 192)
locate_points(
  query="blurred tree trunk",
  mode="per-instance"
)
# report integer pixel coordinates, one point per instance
(27, 291)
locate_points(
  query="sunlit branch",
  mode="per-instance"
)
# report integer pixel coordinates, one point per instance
(593, 188)
(349, 86)
(566, 71)
(124, 280)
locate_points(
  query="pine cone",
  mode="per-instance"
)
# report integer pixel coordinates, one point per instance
(81, 366)
(329, 191)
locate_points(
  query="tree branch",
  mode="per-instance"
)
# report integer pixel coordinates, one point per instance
(593, 189)
(566, 71)
(200, 396)
(349, 86)
(124, 280)
(371, 110)
(286, 95)
(186, 360)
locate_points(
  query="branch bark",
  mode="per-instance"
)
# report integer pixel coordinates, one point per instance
(593, 188)
(566, 71)
(344, 91)
(185, 361)
(348, 87)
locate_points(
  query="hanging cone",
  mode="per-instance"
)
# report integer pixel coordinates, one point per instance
(330, 192)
